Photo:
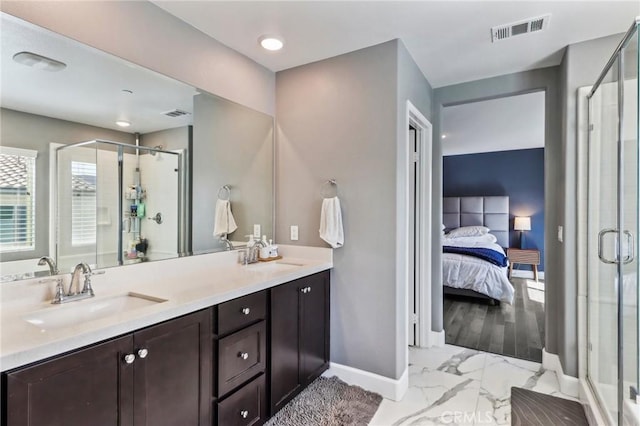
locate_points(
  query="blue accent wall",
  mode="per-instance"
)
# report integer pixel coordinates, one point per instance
(518, 174)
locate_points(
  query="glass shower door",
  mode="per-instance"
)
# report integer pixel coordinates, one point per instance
(602, 299)
(630, 218)
(613, 223)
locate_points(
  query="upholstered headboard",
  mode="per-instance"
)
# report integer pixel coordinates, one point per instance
(492, 212)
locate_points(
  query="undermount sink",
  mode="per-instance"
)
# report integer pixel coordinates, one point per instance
(76, 313)
(273, 266)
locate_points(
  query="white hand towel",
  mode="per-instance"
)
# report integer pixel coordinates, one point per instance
(331, 222)
(224, 223)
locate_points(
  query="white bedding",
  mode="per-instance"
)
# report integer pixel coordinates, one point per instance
(467, 272)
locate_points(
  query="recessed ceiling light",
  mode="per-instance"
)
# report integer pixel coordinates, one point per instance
(123, 123)
(271, 42)
(444, 136)
(40, 62)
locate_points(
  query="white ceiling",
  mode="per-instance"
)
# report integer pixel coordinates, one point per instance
(449, 40)
(89, 89)
(503, 124)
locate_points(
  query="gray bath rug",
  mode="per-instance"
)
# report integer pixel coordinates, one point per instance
(529, 408)
(328, 402)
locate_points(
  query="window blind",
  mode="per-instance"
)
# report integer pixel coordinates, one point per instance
(83, 203)
(17, 199)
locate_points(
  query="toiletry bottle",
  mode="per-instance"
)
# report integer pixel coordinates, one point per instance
(251, 249)
(273, 249)
(265, 249)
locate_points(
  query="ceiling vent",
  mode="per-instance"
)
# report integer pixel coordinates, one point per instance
(176, 113)
(521, 27)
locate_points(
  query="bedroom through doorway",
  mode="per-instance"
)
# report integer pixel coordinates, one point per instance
(493, 215)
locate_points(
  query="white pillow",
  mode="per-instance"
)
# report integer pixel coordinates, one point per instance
(468, 231)
(478, 239)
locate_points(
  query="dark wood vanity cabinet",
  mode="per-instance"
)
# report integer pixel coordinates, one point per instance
(240, 344)
(299, 336)
(89, 386)
(215, 366)
(156, 376)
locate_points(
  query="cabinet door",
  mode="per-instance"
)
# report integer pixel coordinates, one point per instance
(91, 386)
(314, 332)
(285, 332)
(173, 379)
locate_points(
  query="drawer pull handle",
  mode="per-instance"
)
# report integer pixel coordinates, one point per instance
(244, 414)
(142, 353)
(246, 311)
(243, 355)
(129, 358)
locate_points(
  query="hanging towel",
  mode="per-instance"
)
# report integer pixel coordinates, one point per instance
(331, 222)
(224, 223)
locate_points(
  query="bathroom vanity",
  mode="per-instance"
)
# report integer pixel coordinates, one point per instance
(225, 344)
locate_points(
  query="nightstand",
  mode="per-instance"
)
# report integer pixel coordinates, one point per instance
(524, 257)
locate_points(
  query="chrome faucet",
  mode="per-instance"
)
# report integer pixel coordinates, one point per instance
(86, 288)
(227, 244)
(87, 291)
(46, 260)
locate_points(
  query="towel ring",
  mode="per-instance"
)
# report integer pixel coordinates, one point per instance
(223, 192)
(329, 189)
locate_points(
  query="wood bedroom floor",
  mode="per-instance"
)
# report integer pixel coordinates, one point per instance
(514, 330)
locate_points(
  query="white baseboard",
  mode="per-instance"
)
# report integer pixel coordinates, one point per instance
(393, 389)
(526, 274)
(436, 338)
(568, 385)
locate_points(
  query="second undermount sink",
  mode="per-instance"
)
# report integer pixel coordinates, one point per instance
(273, 266)
(76, 313)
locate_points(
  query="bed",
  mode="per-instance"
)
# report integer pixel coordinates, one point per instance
(465, 220)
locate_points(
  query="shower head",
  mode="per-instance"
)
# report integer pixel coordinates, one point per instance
(156, 147)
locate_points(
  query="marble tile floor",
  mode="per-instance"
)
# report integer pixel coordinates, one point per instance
(458, 386)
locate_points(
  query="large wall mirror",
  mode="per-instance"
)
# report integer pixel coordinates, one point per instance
(69, 112)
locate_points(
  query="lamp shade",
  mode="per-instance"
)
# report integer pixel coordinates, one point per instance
(522, 223)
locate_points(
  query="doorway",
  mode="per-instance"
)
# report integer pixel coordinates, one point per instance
(418, 156)
(493, 150)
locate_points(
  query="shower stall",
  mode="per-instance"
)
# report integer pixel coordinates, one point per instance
(117, 203)
(612, 222)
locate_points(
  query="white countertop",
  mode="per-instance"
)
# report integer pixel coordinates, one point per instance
(188, 284)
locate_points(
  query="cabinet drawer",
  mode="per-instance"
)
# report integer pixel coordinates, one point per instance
(245, 407)
(241, 356)
(238, 313)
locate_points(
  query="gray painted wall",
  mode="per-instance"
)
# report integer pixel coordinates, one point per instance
(142, 33)
(541, 79)
(170, 139)
(30, 131)
(339, 118)
(581, 66)
(232, 145)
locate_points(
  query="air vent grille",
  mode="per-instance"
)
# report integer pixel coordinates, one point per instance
(176, 113)
(531, 25)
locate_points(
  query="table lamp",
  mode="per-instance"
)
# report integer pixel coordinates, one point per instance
(522, 223)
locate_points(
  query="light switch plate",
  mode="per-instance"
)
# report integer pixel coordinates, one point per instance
(256, 231)
(294, 232)
(560, 233)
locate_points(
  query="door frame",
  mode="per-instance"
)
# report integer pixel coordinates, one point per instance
(424, 136)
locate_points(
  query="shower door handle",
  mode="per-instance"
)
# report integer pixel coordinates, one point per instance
(601, 235)
(630, 255)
